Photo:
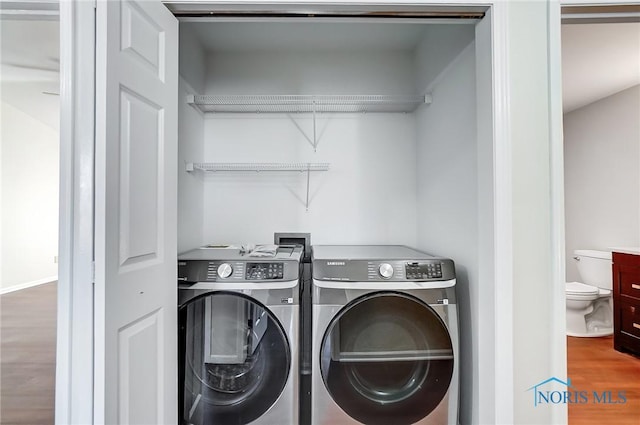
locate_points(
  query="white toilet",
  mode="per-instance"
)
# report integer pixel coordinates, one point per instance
(589, 304)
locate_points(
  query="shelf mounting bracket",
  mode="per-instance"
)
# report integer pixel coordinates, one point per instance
(315, 137)
(313, 141)
(308, 178)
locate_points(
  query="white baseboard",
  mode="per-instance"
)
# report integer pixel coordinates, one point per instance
(28, 284)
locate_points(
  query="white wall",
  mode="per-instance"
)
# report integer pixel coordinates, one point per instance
(311, 72)
(191, 192)
(439, 47)
(192, 59)
(368, 195)
(448, 206)
(192, 70)
(602, 175)
(30, 151)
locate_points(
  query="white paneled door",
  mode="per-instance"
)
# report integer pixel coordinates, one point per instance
(135, 378)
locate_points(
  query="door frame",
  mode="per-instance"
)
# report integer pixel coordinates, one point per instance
(556, 141)
(74, 357)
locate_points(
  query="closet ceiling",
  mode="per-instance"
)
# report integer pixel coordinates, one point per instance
(249, 36)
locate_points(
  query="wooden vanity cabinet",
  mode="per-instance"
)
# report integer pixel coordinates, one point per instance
(626, 302)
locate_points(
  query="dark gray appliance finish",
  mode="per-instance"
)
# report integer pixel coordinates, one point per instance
(225, 264)
(238, 338)
(385, 337)
(304, 240)
(384, 263)
(236, 361)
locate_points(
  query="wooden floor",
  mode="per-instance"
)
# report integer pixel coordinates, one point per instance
(28, 355)
(593, 365)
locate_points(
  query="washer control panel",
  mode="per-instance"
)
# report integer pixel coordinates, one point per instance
(420, 271)
(264, 271)
(385, 270)
(225, 270)
(191, 271)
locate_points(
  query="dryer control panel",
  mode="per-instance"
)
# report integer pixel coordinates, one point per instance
(436, 269)
(379, 263)
(431, 270)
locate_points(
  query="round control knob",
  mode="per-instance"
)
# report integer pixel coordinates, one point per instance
(385, 270)
(225, 270)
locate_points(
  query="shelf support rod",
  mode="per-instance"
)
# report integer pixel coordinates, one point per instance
(308, 178)
(315, 139)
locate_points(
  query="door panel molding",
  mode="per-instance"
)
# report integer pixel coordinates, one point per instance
(136, 213)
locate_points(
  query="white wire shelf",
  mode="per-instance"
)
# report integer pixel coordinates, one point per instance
(307, 103)
(303, 167)
(256, 167)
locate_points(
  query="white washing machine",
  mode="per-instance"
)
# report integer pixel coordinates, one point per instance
(238, 337)
(385, 337)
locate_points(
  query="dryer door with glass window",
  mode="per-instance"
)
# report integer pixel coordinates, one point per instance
(387, 358)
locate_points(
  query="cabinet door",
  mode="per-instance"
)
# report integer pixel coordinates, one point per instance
(135, 366)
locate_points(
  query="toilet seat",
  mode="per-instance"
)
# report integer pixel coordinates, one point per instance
(577, 290)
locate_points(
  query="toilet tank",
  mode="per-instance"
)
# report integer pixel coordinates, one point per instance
(594, 267)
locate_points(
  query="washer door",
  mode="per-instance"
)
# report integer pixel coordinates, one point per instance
(235, 359)
(387, 358)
